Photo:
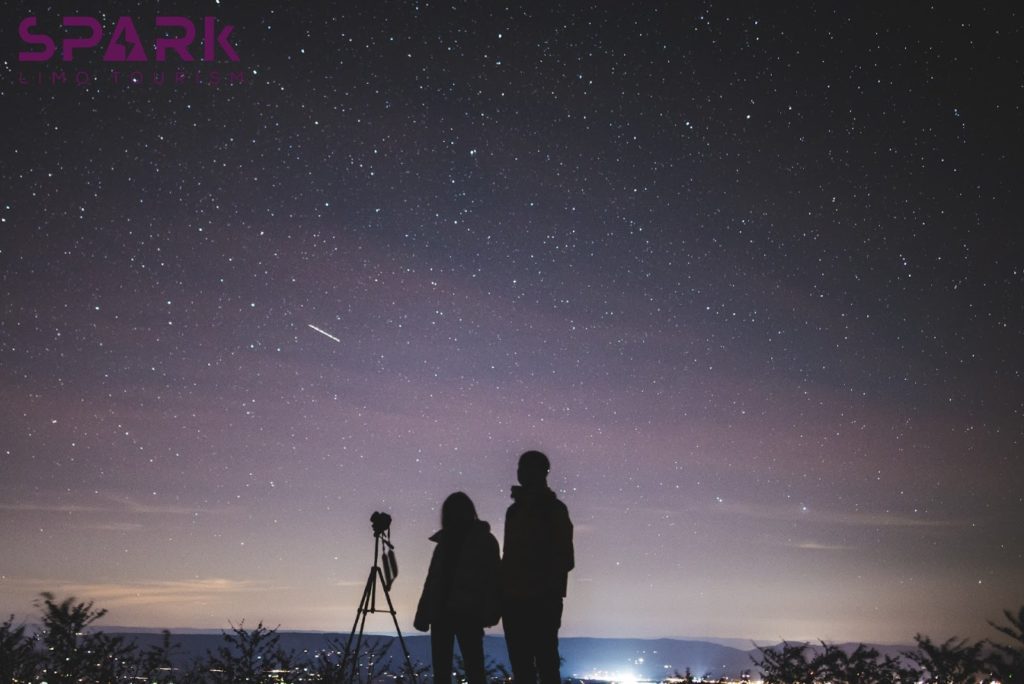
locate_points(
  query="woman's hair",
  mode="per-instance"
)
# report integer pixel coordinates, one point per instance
(457, 512)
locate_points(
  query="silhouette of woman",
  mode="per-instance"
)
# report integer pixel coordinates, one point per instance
(461, 594)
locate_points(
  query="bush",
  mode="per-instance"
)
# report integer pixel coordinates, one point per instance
(1007, 660)
(786, 664)
(951, 662)
(19, 659)
(862, 666)
(67, 649)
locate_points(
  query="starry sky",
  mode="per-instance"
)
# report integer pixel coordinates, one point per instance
(750, 273)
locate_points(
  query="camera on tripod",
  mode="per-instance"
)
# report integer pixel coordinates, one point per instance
(381, 523)
(383, 572)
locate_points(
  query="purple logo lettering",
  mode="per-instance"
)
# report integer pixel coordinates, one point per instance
(49, 47)
(179, 44)
(222, 40)
(125, 43)
(95, 33)
(125, 30)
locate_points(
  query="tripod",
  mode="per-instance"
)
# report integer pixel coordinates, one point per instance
(368, 604)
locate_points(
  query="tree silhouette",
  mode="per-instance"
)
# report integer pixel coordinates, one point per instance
(18, 656)
(155, 663)
(951, 662)
(785, 664)
(333, 665)
(1008, 659)
(790, 664)
(685, 678)
(861, 666)
(67, 648)
(73, 654)
(250, 655)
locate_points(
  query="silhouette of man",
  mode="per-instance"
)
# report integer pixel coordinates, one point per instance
(538, 556)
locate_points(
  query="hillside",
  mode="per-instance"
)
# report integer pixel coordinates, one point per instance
(584, 658)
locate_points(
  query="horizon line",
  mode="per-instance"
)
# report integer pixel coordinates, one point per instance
(755, 643)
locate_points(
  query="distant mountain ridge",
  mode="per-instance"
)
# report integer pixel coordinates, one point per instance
(585, 657)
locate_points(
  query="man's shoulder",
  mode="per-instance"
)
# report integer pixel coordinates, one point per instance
(554, 502)
(546, 503)
(560, 509)
(553, 507)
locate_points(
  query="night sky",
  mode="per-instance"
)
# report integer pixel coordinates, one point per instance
(751, 274)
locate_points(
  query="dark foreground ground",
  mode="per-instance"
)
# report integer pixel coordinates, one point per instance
(584, 658)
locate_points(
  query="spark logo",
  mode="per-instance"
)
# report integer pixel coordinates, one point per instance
(124, 43)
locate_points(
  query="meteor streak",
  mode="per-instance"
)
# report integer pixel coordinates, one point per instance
(323, 332)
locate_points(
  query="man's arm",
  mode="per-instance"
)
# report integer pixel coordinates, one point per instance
(563, 547)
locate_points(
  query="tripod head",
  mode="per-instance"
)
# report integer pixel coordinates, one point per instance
(381, 523)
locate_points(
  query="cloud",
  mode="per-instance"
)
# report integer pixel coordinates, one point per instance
(113, 527)
(816, 546)
(146, 592)
(109, 504)
(52, 508)
(793, 513)
(136, 506)
(349, 583)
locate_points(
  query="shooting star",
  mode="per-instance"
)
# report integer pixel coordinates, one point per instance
(323, 332)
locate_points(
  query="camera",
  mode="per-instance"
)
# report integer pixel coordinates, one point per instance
(381, 523)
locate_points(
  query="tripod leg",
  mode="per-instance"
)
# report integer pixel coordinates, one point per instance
(360, 622)
(356, 654)
(401, 639)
